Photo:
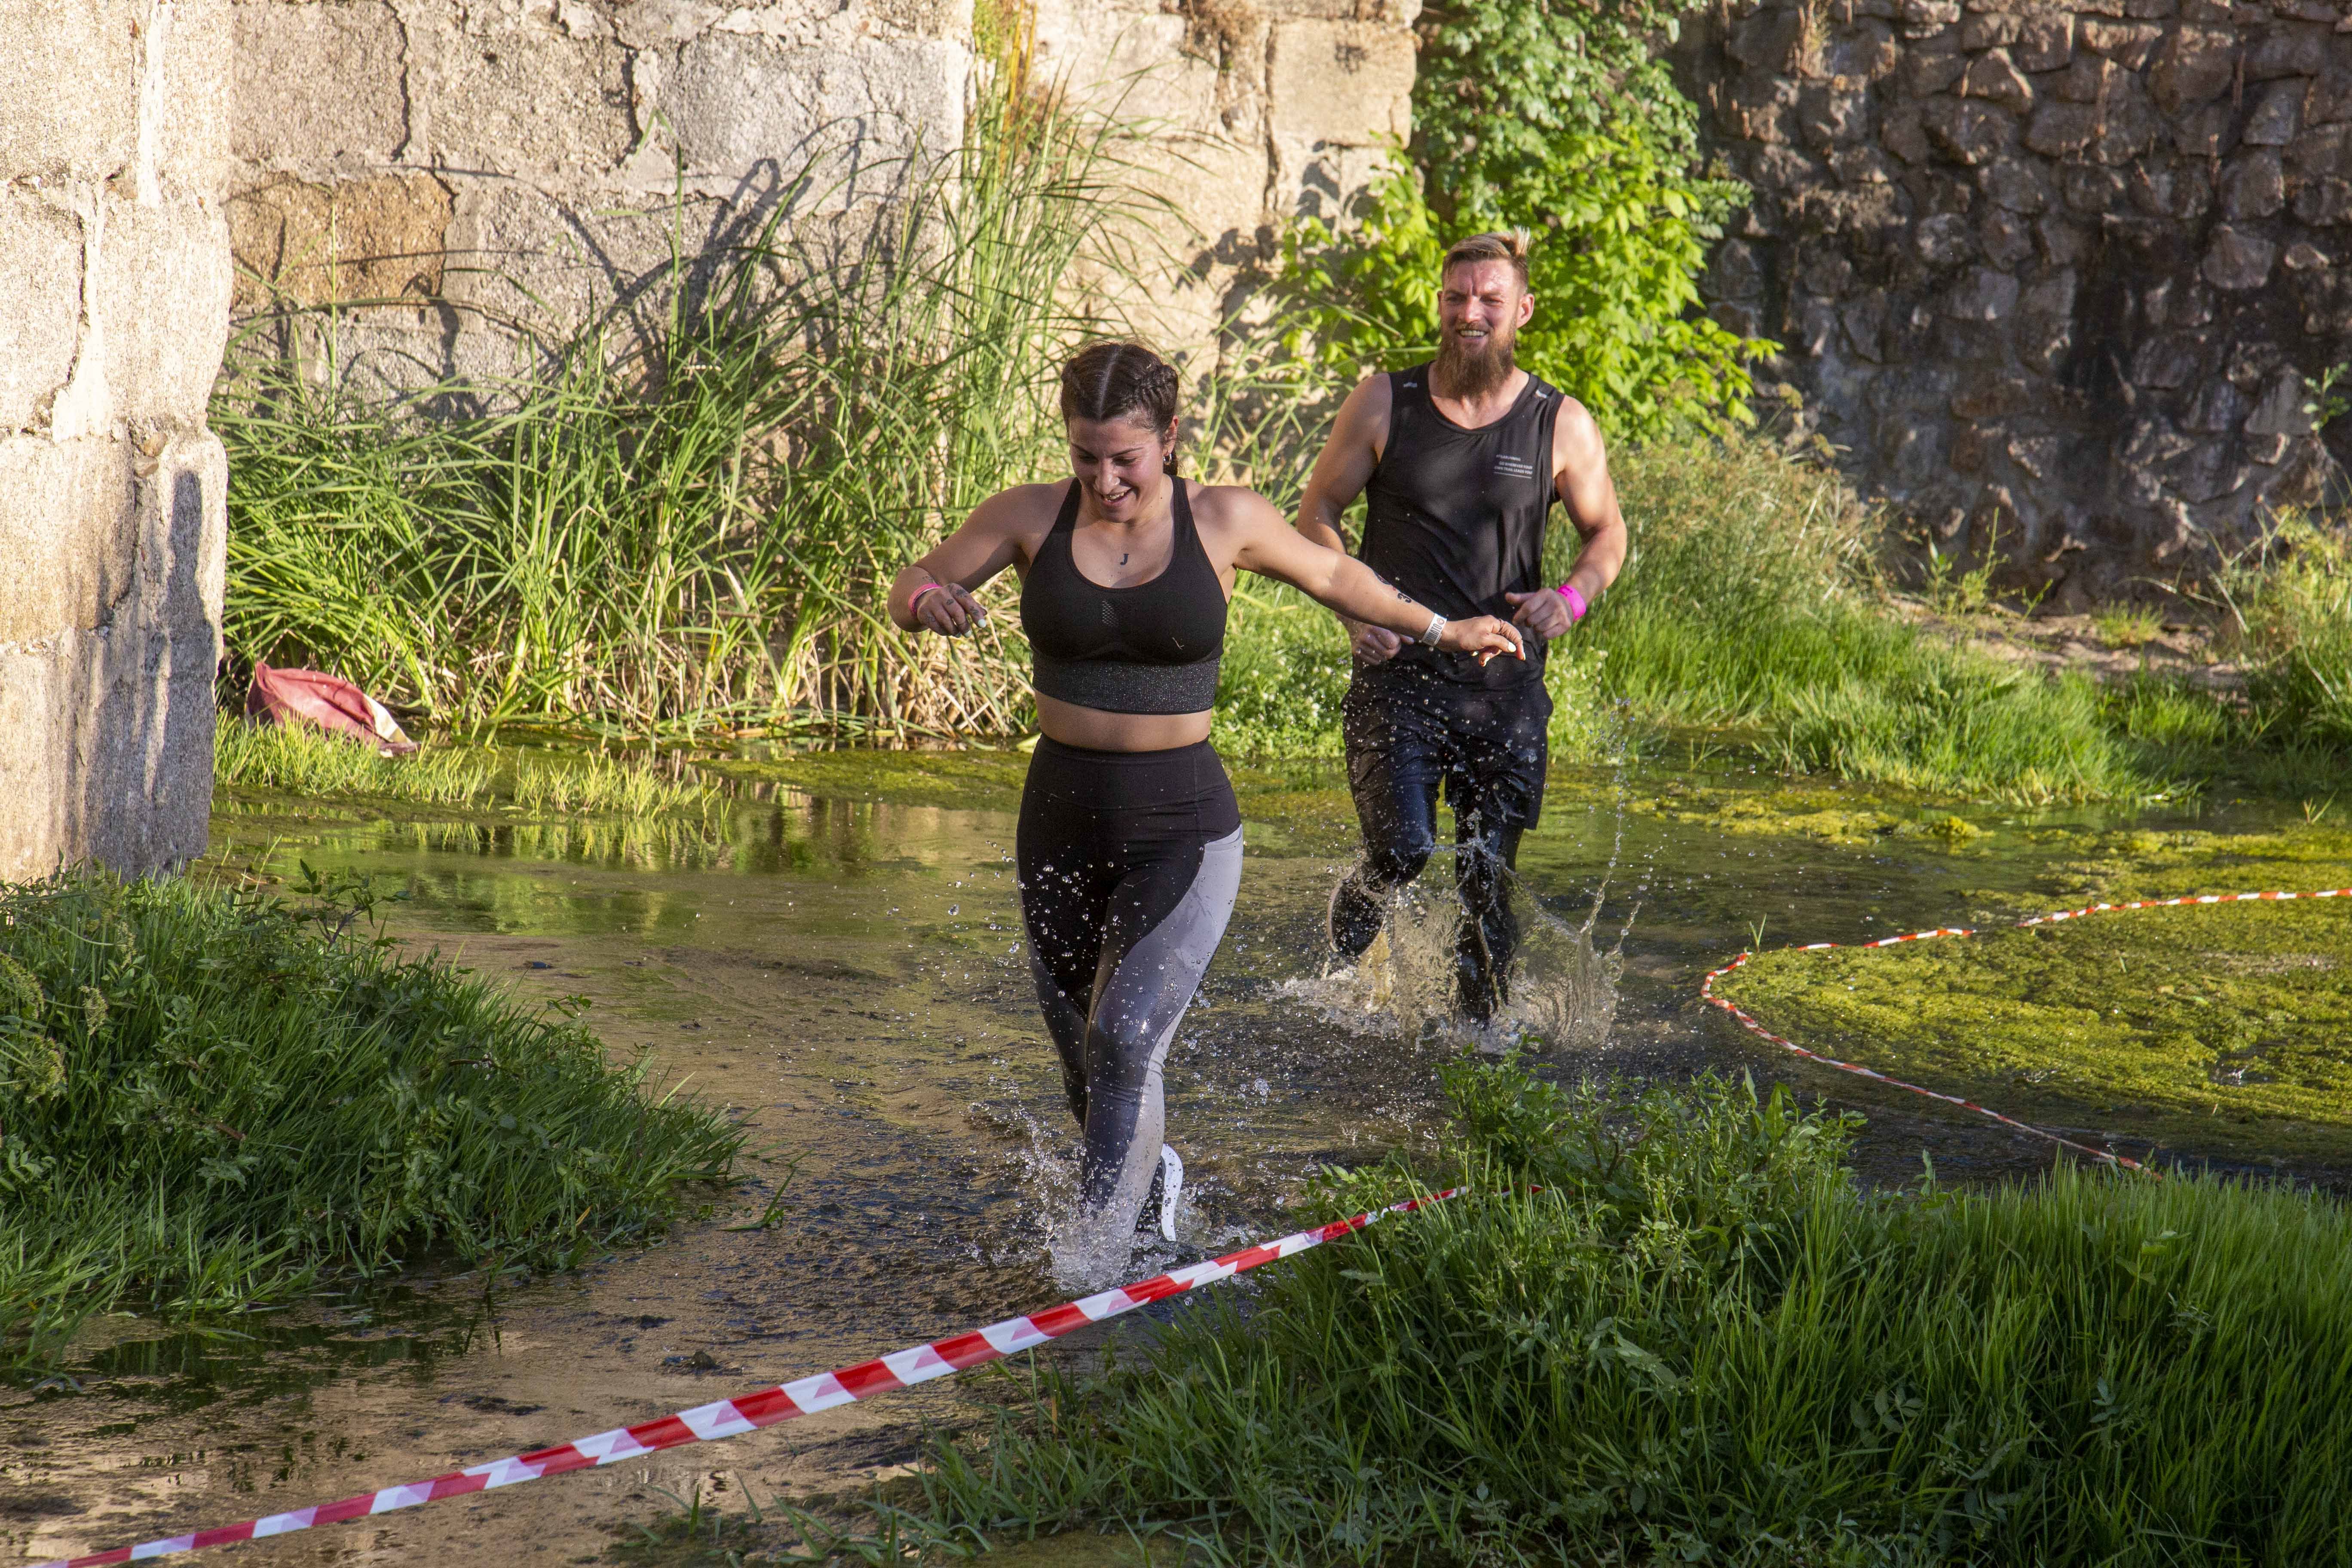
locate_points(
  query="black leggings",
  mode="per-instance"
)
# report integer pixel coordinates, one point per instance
(1128, 862)
(1409, 734)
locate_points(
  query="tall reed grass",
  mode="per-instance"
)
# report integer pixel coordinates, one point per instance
(1700, 1341)
(696, 534)
(214, 1101)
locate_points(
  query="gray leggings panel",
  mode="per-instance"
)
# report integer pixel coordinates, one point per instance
(1114, 1050)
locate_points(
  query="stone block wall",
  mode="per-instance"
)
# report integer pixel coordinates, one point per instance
(1255, 111)
(473, 172)
(483, 174)
(2057, 276)
(114, 270)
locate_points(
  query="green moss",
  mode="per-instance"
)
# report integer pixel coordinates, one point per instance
(260, 762)
(2226, 1028)
(1800, 810)
(2145, 864)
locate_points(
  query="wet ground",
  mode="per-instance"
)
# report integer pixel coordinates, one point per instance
(839, 962)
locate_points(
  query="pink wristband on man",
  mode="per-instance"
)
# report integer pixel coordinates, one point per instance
(1576, 605)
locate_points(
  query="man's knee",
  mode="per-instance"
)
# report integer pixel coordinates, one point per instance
(1398, 861)
(1486, 854)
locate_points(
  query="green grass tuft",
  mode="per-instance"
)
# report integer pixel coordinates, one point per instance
(1701, 1341)
(295, 758)
(2293, 606)
(210, 1100)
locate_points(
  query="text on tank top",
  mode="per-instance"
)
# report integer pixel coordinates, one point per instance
(1455, 516)
(1150, 647)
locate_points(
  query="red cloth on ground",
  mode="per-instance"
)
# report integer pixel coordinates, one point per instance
(329, 701)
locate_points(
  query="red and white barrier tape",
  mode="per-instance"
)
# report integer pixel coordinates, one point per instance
(745, 1413)
(1740, 1014)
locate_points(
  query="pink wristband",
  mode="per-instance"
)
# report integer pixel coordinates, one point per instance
(917, 597)
(1576, 605)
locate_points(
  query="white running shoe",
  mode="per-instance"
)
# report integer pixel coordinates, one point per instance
(1171, 1189)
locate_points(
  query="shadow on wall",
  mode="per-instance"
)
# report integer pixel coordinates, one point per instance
(403, 280)
(110, 716)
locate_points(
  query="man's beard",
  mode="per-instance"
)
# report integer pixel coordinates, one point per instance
(1468, 373)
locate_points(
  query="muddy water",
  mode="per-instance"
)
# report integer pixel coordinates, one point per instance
(840, 964)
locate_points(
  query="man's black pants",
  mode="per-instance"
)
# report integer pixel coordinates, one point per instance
(1410, 734)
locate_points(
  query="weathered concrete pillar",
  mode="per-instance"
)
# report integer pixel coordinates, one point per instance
(114, 288)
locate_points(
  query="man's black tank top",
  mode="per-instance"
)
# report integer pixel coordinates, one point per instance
(1149, 648)
(1455, 517)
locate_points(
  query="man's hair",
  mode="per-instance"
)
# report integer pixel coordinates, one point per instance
(1511, 247)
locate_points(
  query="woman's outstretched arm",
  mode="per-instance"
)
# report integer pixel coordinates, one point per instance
(1266, 543)
(936, 593)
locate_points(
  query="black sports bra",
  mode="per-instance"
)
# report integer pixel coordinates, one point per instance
(1151, 647)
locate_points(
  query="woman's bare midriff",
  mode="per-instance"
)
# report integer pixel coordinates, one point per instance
(1097, 731)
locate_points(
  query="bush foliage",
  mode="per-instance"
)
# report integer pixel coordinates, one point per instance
(1560, 120)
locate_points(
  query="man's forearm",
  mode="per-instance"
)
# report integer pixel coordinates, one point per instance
(1598, 563)
(1314, 524)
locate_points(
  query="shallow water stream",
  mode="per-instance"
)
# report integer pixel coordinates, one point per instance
(839, 961)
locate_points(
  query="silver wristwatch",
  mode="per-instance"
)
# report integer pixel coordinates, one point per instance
(1434, 630)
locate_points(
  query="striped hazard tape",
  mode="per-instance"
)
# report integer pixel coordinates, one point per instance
(1747, 1022)
(748, 1411)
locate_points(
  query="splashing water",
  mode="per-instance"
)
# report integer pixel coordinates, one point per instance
(1081, 1252)
(1562, 989)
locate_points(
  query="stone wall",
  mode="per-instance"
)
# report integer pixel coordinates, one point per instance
(114, 268)
(1255, 111)
(481, 173)
(2056, 275)
(475, 172)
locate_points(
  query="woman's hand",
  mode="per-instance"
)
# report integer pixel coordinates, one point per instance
(948, 609)
(1370, 644)
(1483, 636)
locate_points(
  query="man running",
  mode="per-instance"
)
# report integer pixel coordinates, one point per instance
(1459, 461)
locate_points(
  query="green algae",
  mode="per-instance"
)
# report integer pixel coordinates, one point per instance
(2113, 867)
(2224, 1029)
(1824, 813)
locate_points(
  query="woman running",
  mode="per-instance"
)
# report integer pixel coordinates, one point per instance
(1130, 847)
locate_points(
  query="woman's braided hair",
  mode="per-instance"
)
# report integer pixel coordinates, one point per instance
(1119, 381)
